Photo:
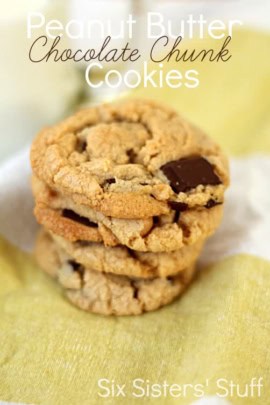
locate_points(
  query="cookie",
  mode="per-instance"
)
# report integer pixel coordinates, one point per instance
(123, 261)
(133, 159)
(155, 234)
(75, 227)
(108, 294)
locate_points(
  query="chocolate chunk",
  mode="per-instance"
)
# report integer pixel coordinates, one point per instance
(81, 145)
(187, 173)
(110, 181)
(170, 279)
(178, 206)
(135, 293)
(75, 266)
(77, 218)
(131, 155)
(212, 203)
(84, 243)
(135, 289)
(176, 216)
(53, 193)
(132, 253)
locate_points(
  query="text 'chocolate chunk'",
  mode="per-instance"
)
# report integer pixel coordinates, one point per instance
(187, 173)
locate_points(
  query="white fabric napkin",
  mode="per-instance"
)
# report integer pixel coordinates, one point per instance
(245, 227)
(17, 223)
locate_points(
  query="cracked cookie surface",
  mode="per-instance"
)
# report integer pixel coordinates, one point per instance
(123, 261)
(155, 234)
(132, 159)
(158, 234)
(108, 294)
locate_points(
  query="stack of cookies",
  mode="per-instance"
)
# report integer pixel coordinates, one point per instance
(127, 195)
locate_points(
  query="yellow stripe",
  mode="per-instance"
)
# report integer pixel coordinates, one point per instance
(53, 353)
(232, 102)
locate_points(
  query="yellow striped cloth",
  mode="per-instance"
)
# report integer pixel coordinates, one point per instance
(52, 353)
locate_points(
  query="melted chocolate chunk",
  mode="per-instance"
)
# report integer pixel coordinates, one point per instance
(176, 216)
(75, 266)
(110, 181)
(178, 206)
(53, 193)
(135, 292)
(187, 173)
(212, 203)
(132, 253)
(131, 156)
(171, 279)
(77, 218)
(84, 243)
(81, 145)
(135, 289)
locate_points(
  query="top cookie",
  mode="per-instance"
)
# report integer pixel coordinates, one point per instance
(132, 159)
